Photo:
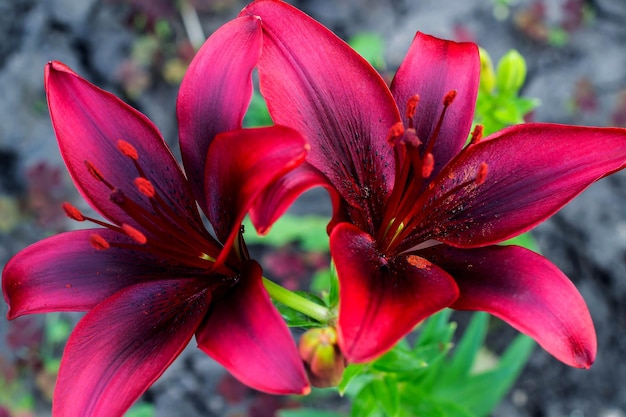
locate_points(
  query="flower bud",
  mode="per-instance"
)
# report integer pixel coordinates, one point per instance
(487, 74)
(322, 358)
(511, 72)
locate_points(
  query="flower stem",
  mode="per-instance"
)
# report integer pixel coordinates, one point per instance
(297, 302)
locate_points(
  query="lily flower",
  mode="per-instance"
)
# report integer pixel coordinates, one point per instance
(420, 214)
(151, 276)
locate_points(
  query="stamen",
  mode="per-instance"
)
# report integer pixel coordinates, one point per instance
(145, 187)
(411, 107)
(127, 149)
(481, 175)
(98, 242)
(428, 164)
(395, 132)
(134, 234)
(97, 174)
(477, 135)
(72, 212)
(449, 98)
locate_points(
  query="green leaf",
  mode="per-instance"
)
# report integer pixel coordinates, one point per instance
(385, 391)
(333, 295)
(308, 412)
(371, 47)
(525, 240)
(354, 377)
(257, 114)
(140, 410)
(467, 349)
(309, 231)
(400, 360)
(295, 318)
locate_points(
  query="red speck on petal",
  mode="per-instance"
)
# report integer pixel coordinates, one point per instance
(418, 262)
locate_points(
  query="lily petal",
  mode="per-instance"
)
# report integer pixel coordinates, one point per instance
(65, 273)
(88, 123)
(432, 68)
(215, 93)
(382, 299)
(248, 337)
(345, 114)
(124, 344)
(240, 165)
(528, 292)
(528, 173)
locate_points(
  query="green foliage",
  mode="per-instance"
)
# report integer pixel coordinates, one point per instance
(308, 231)
(371, 47)
(257, 115)
(295, 318)
(140, 410)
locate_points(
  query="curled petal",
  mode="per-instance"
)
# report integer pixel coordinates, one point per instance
(66, 273)
(241, 164)
(215, 93)
(528, 292)
(333, 97)
(124, 344)
(382, 299)
(248, 337)
(514, 180)
(432, 68)
(95, 126)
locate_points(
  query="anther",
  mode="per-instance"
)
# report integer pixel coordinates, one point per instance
(411, 107)
(127, 149)
(410, 138)
(117, 197)
(395, 132)
(134, 234)
(98, 242)
(145, 187)
(94, 171)
(481, 175)
(477, 134)
(449, 98)
(428, 164)
(72, 212)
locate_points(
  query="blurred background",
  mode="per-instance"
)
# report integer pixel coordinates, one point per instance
(139, 49)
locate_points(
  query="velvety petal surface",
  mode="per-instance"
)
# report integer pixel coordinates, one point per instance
(124, 344)
(215, 93)
(531, 171)
(65, 273)
(240, 165)
(316, 83)
(88, 123)
(432, 68)
(382, 299)
(247, 335)
(525, 290)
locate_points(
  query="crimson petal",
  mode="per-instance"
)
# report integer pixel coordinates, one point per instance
(88, 123)
(124, 344)
(528, 292)
(382, 299)
(432, 68)
(248, 337)
(345, 113)
(240, 165)
(529, 172)
(215, 93)
(65, 273)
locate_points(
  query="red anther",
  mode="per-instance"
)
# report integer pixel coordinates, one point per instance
(395, 132)
(94, 171)
(72, 212)
(481, 175)
(411, 106)
(477, 134)
(127, 149)
(117, 197)
(98, 242)
(144, 186)
(134, 234)
(428, 164)
(449, 98)
(410, 138)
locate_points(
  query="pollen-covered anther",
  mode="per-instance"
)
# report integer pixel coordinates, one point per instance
(72, 212)
(411, 106)
(127, 149)
(395, 133)
(477, 134)
(449, 97)
(145, 187)
(410, 138)
(134, 234)
(428, 164)
(98, 242)
(481, 174)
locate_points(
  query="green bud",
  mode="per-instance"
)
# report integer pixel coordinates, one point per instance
(323, 361)
(511, 72)
(487, 74)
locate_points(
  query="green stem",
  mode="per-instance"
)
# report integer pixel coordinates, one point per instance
(297, 302)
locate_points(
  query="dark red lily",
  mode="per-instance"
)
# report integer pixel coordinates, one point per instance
(153, 277)
(420, 212)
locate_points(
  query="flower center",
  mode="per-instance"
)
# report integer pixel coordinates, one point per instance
(158, 228)
(415, 163)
